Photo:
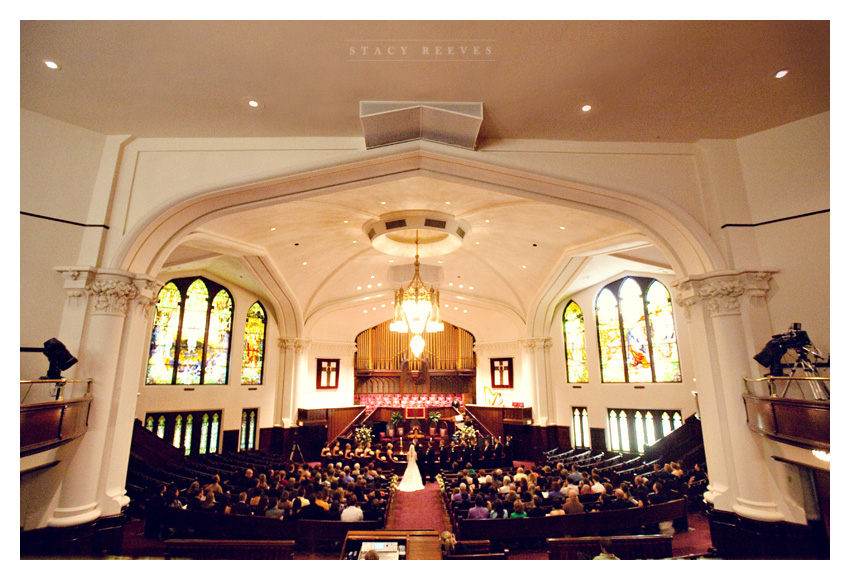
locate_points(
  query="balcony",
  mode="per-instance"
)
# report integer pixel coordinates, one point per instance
(792, 410)
(53, 413)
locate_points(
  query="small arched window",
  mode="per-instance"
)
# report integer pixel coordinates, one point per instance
(574, 343)
(253, 350)
(637, 336)
(190, 344)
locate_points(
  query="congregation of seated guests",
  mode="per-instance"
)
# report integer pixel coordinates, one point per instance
(559, 490)
(301, 492)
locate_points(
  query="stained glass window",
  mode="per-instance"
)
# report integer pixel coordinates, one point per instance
(191, 338)
(581, 427)
(665, 350)
(149, 424)
(214, 434)
(637, 336)
(613, 432)
(205, 431)
(610, 338)
(178, 430)
(254, 345)
(641, 438)
(574, 343)
(187, 440)
(243, 435)
(634, 430)
(252, 428)
(160, 427)
(164, 339)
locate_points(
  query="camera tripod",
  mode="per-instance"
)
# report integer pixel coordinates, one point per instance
(296, 448)
(802, 368)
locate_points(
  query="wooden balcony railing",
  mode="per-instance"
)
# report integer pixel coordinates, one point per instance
(802, 422)
(48, 418)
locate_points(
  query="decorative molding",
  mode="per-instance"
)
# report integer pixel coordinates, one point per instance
(112, 296)
(300, 345)
(720, 293)
(336, 348)
(504, 346)
(536, 343)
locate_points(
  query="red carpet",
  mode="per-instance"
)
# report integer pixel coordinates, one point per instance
(418, 510)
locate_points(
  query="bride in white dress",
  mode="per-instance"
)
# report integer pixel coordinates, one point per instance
(412, 480)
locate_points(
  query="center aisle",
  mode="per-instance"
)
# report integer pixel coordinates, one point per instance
(418, 510)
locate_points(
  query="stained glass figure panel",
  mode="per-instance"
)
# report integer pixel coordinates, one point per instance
(610, 341)
(205, 431)
(193, 332)
(164, 339)
(634, 329)
(214, 434)
(218, 339)
(665, 350)
(178, 430)
(187, 440)
(253, 351)
(575, 344)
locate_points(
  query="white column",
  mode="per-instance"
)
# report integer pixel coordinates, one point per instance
(740, 480)
(292, 371)
(94, 321)
(536, 373)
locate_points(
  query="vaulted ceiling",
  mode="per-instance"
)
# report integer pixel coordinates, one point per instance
(670, 81)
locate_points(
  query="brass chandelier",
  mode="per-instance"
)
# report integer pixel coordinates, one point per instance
(417, 309)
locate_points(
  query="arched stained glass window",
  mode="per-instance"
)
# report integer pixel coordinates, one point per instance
(178, 430)
(666, 427)
(639, 432)
(252, 427)
(214, 434)
(191, 338)
(149, 424)
(677, 421)
(624, 432)
(205, 431)
(160, 427)
(253, 351)
(665, 350)
(574, 344)
(581, 428)
(650, 429)
(637, 337)
(610, 338)
(243, 435)
(164, 339)
(187, 440)
(613, 432)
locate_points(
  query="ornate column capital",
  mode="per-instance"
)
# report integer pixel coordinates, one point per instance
(299, 345)
(720, 293)
(536, 343)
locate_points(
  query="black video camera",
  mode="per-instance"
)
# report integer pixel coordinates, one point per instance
(772, 353)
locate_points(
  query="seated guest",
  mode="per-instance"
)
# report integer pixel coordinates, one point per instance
(312, 511)
(557, 509)
(573, 505)
(295, 512)
(479, 511)
(276, 511)
(352, 513)
(460, 493)
(660, 495)
(535, 511)
(373, 510)
(519, 510)
(449, 545)
(498, 511)
(618, 502)
(240, 507)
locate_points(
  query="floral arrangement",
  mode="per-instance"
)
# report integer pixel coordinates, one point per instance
(434, 417)
(467, 434)
(363, 435)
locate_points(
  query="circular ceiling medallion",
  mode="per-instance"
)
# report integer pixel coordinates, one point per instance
(396, 233)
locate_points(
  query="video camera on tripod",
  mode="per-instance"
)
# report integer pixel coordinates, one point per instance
(771, 355)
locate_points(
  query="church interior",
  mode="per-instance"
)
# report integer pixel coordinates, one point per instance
(513, 246)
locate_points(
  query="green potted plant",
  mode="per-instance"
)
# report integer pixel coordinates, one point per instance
(433, 420)
(395, 420)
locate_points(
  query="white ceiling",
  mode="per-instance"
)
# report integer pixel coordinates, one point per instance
(646, 81)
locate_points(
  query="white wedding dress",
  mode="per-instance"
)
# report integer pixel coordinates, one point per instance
(412, 480)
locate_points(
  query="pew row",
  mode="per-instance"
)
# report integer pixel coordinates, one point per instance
(611, 522)
(646, 547)
(307, 534)
(229, 549)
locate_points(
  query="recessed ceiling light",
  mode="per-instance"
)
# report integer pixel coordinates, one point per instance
(391, 261)
(353, 241)
(471, 288)
(465, 311)
(272, 229)
(379, 283)
(303, 263)
(345, 221)
(486, 221)
(52, 64)
(253, 103)
(360, 287)
(781, 73)
(383, 203)
(563, 228)
(523, 267)
(448, 203)
(586, 108)
(451, 284)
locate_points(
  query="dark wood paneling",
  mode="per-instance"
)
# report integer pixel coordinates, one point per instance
(793, 421)
(738, 538)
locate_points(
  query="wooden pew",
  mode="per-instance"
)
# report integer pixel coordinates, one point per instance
(614, 522)
(229, 549)
(188, 524)
(645, 547)
(503, 555)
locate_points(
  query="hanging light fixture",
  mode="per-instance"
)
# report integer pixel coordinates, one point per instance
(417, 309)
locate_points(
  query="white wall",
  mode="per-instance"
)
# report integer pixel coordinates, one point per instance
(786, 171)
(59, 164)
